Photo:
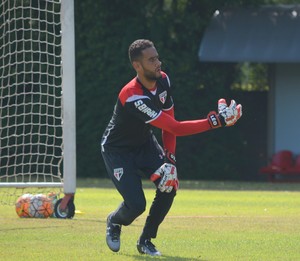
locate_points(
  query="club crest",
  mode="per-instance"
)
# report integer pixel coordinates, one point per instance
(118, 173)
(163, 97)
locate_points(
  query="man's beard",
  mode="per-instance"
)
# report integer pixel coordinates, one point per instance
(151, 76)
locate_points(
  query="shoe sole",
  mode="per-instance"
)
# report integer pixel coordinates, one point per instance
(141, 251)
(113, 246)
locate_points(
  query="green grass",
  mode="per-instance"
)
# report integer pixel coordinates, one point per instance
(208, 221)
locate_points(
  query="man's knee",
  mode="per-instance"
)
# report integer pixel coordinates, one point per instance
(138, 209)
(134, 210)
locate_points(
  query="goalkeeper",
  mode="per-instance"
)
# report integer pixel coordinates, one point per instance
(130, 150)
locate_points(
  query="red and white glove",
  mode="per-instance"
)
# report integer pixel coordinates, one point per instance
(227, 116)
(229, 113)
(167, 173)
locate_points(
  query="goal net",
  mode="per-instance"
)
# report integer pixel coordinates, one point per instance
(31, 100)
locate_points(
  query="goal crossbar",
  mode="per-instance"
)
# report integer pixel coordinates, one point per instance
(31, 185)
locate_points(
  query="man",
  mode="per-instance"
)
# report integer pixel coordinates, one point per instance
(129, 148)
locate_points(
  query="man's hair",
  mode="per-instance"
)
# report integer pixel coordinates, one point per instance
(136, 48)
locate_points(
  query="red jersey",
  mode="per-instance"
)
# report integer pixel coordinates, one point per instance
(135, 109)
(138, 108)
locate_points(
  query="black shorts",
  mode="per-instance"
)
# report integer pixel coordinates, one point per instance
(126, 168)
(132, 164)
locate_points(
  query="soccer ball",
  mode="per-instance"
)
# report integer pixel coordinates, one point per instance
(23, 205)
(40, 206)
(53, 198)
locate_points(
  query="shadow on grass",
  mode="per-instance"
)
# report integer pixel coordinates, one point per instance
(201, 185)
(31, 228)
(164, 257)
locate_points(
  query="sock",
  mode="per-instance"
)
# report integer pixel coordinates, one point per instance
(143, 238)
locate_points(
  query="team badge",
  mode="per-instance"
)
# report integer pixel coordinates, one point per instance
(163, 97)
(118, 173)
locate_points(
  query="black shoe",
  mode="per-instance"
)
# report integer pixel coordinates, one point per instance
(113, 232)
(146, 247)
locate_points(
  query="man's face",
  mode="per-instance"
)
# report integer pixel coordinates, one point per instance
(150, 65)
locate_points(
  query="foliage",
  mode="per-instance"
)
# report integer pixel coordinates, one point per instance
(251, 77)
(104, 30)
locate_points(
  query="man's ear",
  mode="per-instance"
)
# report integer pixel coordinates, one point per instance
(136, 65)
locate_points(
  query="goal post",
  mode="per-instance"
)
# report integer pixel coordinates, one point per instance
(37, 97)
(69, 106)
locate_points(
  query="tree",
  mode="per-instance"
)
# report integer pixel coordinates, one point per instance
(104, 30)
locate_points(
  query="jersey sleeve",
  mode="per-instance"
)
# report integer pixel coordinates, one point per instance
(168, 138)
(137, 103)
(180, 128)
(142, 107)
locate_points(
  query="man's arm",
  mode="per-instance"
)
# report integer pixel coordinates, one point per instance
(228, 116)
(180, 128)
(168, 138)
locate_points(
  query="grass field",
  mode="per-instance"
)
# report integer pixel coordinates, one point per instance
(208, 221)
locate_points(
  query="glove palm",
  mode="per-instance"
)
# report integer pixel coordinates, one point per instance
(167, 174)
(230, 113)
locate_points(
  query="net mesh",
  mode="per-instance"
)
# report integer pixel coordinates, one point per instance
(31, 93)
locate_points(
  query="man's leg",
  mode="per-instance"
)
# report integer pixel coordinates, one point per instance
(134, 203)
(151, 158)
(159, 209)
(122, 170)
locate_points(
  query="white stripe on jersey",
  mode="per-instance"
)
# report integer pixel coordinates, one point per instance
(105, 136)
(168, 81)
(136, 97)
(168, 108)
(155, 117)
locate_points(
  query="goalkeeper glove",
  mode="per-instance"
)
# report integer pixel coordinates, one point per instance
(170, 158)
(227, 116)
(229, 113)
(214, 120)
(167, 174)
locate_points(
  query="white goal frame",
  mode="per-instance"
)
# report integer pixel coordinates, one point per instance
(69, 96)
(69, 110)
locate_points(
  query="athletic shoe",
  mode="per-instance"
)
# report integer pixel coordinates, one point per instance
(113, 232)
(146, 247)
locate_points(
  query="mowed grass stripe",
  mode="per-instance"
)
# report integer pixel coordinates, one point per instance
(213, 224)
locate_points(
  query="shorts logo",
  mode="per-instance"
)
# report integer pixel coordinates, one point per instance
(163, 97)
(118, 173)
